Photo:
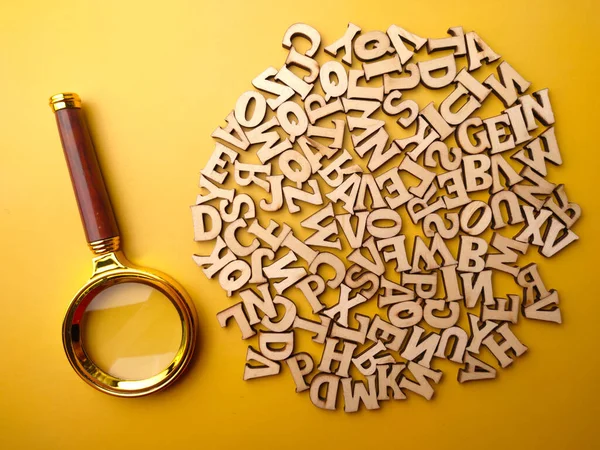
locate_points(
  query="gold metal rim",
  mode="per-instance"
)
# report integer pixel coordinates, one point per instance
(106, 275)
(109, 245)
(65, 100)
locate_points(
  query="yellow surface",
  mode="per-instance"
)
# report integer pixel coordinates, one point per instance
(156, 80)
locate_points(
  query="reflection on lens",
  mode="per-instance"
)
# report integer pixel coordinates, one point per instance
(131, 331)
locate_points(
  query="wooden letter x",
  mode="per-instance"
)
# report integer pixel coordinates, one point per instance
(344, 305)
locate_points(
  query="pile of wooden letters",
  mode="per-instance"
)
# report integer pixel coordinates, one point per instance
(404, 212)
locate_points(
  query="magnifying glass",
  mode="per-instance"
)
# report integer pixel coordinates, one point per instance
(129, 331)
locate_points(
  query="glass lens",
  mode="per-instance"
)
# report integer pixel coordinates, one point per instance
(131, 331)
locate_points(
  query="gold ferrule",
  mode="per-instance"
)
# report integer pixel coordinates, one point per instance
(64, 101)
(104, 246)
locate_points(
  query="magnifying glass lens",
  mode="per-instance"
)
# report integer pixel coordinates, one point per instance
(131, 331)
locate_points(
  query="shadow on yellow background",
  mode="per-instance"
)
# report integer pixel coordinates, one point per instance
(157, 79)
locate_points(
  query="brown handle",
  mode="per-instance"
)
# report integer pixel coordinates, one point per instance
(92, 198)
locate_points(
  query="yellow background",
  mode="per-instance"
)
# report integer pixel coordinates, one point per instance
(157, 77)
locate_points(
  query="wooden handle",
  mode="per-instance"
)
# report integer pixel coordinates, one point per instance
(92, 198)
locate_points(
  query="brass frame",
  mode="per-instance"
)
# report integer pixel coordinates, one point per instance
(110, 267)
